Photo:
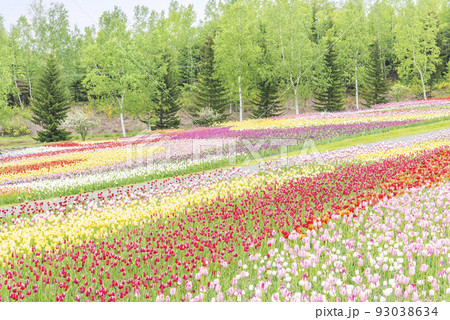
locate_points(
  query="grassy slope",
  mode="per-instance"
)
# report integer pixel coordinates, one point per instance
(18, 142)
(396, 133)
(365, 139)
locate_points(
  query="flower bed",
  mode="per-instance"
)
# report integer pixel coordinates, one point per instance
(340, 231)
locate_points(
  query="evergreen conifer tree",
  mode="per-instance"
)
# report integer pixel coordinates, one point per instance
(50, 105)
(328, 97)
(376, 84)
(209, 92)
(166, 100)
(266, 102)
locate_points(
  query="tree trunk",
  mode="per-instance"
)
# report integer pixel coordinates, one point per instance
(122, 123)
(29, 83)
(297, 111)
(423, 85)
(149, 122)
(124, 133)
(356, 85)
(431, 86)
(192, 65)
(15, 79)
(18, 91)
(28, 74)
(281, 42)
(421, 75)
(295, 95)
(241, 107)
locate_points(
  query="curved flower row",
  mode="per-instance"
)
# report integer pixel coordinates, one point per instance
(366, 152)
(430, 102)
(117, 154)
(325, 131)
(187, 246)
(79, 166)
(68, 147)
(398, 250)
(89, 169)
(352, 117)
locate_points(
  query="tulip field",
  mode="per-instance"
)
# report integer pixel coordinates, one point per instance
(364, 223)
(75, 167)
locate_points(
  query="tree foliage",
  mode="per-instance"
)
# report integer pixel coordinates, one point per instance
(290, 51)
(329, 96)
(6, 60)
(266, 102)
(237, 49)
(112, 70)
(352, 44)
(166, 99)
(416, 45)
(376, 84)
(80, 122)
(50, 106)
(130, 63)
(210, 93)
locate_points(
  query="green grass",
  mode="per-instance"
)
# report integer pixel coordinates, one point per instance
(396, 133)
(365, 139)
(18, 142)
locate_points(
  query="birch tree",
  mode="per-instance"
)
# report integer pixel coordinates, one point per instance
(112, 72)
(416, 46)
(237, 49)
(39, 27)
(25, 58)
(60, 35)
(352, 28)
(289, 22)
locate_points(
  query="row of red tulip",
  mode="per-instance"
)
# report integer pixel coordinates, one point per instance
(192, 255)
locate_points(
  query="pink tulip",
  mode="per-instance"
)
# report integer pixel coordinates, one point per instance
(423, 268)
(308, 285)
(398, 292)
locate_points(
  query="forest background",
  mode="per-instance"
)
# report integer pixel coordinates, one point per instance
(246, 58)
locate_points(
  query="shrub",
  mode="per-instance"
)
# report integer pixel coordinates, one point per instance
(80, 122)
(207, 117)
(13, 121)
(399, 92)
